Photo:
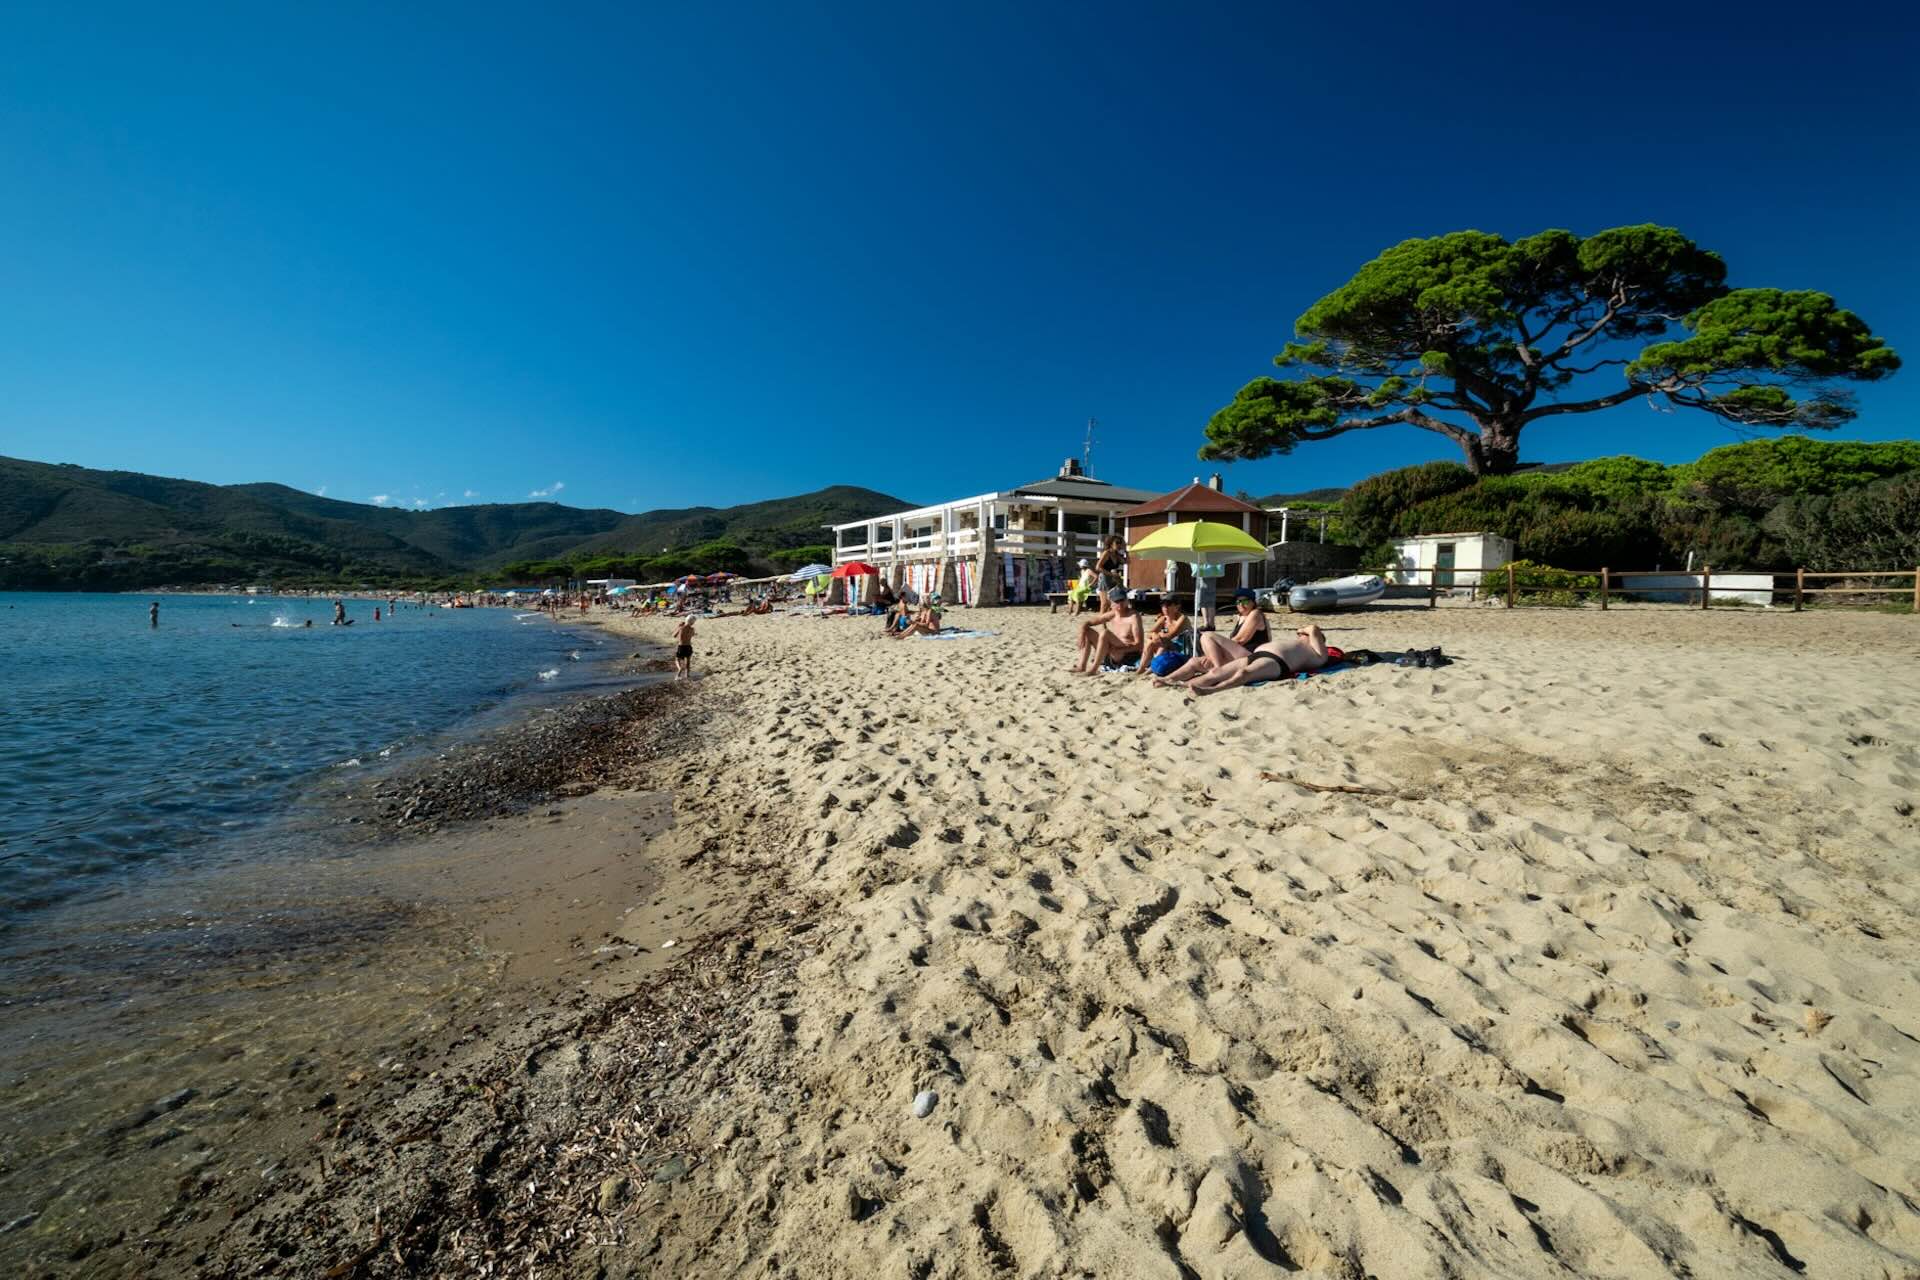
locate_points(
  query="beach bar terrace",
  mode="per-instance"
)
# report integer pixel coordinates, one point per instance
(1032, 534)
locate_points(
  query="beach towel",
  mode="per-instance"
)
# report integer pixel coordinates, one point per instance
(955, 633)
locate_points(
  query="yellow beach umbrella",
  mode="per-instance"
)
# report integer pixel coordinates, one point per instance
(1199, 542)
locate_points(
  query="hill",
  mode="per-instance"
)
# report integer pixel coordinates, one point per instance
(69, 526)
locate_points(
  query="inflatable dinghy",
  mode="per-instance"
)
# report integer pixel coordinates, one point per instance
(1339, 593)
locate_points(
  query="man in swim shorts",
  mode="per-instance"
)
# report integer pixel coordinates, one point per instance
(1112, 635)
(683, 650)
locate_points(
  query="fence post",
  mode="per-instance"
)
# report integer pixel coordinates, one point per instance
(1509, 586)
(1706, 584)
(1433, 589)
(1800, 587)
(1916, 589)
(1603, 589)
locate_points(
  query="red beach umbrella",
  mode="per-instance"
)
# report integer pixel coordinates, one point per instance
(856, 569)
(722, 576)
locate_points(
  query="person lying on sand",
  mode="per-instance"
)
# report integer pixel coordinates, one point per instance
(1112, 635)
(1305, 650)
(1171, 637)
(1215, 651)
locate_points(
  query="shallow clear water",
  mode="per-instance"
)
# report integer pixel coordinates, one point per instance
(182, 914)
(127, 749)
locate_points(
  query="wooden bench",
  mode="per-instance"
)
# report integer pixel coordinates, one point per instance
(1054, 600)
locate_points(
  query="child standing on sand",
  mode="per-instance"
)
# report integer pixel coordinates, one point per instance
(683, 650)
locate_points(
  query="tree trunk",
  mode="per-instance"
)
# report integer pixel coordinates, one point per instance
(1497, 451)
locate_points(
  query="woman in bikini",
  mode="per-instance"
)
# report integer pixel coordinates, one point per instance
(1216, 650)
(1277, 659)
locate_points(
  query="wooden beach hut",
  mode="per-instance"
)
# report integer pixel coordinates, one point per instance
(1196, 501)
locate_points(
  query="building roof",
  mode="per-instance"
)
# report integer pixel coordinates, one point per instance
(1052, 489)
(1080, 488)
(1431, 537)
(1193, 497)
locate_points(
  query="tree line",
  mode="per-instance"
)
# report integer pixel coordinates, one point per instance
(1763, 504)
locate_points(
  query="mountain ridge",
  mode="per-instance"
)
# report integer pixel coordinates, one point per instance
(64, 525)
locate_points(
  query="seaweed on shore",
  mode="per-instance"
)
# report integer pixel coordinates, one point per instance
(556, 754)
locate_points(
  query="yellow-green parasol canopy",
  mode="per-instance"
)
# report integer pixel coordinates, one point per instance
(1199, 542)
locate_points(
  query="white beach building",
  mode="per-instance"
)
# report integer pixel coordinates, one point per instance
(1453, 559)
(1032, 534)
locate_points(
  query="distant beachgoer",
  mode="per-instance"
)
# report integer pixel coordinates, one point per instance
(1205, 593)
(1111, 569)
(924, 623)
(308, 622)
(376, 613)
(1112, 635)
(153, 614)
(683, 651)
(1082, 590)
(339, 613)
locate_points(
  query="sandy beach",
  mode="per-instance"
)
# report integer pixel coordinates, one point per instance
(1608, 970)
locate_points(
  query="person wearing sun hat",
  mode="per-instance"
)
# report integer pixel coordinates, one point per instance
(1081, 590)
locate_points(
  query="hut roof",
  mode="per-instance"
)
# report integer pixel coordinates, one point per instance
(1193, 497)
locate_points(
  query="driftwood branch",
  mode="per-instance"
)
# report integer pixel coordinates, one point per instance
(1340, 787)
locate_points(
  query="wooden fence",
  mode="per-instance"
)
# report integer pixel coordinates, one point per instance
(1494, 583)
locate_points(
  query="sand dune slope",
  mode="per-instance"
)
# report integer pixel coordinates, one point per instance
(1615, 977)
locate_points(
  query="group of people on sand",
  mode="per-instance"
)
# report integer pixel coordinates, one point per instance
(1174, 651)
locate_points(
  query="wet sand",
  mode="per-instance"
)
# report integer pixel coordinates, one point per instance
(251, 1009)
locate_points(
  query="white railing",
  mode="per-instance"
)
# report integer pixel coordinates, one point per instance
(966, 542)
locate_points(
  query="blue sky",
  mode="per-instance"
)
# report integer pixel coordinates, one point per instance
(640, 256)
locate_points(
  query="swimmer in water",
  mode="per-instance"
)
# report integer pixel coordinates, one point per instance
(153, 614)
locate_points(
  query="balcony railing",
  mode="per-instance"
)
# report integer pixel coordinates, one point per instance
(966, 542)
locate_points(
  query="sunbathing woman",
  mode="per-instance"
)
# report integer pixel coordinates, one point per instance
(1277, 659)
(1216, 650)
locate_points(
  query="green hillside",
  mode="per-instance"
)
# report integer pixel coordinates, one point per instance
(69, 526)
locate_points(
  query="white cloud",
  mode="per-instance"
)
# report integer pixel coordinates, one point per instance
(381, 499)
(321, 492)
(549, 491)
(471, 493)
(418, 503)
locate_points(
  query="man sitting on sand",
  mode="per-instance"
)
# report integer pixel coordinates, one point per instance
(1112, 635)
(1277, 659)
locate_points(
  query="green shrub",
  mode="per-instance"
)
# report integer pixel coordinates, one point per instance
(1543, 584)
(1877, 527)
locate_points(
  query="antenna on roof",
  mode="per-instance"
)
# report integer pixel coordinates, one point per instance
(1086, 453)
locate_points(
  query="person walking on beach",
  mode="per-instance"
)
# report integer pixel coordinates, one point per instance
(683, 649)
(153, 614)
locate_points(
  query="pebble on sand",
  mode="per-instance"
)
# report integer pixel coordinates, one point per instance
(924, 1103)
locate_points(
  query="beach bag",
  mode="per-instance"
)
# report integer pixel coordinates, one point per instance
(1165, 664)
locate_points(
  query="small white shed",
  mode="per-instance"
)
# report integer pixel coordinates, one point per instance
(1454, 559)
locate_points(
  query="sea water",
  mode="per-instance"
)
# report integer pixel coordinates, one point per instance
(129, 751)
(187, 930)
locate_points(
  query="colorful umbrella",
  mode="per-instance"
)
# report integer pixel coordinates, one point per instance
(722, 576)
(1199, 542)
(861, 569)
(811, 571)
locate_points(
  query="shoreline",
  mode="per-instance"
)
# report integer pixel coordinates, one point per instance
(1605, 967)
(241, 984)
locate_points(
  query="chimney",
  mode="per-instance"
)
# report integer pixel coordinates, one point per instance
(1069, 468)
(1214, 482)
